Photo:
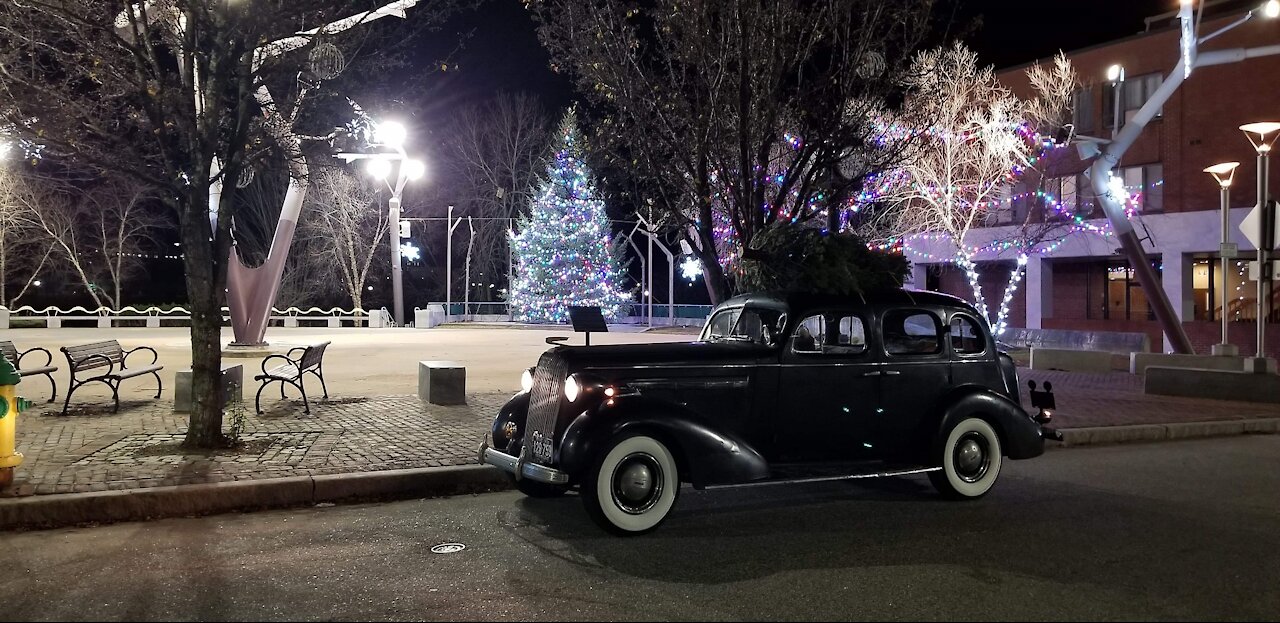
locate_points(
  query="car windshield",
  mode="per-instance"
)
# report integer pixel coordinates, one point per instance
(744, 324)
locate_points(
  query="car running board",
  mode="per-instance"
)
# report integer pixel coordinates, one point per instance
(908, 471)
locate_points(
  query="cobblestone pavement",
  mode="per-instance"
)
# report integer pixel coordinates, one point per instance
(1116, 398)
(92, 449)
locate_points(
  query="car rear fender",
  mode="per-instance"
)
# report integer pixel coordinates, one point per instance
(1020, 436)
(705, 454)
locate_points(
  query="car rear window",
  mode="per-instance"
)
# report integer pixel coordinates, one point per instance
(911, 332)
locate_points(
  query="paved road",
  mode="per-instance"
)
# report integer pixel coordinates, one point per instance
(1183, 530)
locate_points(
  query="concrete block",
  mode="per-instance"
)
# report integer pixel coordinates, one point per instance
(442, 382)
(1224, 350)
(1139, 362)
(232, 386)
(1189, 430)
(1070, 360)
(4, 318)
(53, 323)
(291, 322)
(334, 322)
(1214, 384)
(104, 322)
(153, 322)
(1260, 365)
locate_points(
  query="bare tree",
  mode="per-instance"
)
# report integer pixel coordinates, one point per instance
(23, 251)
(345, 228)
(738, 115)
(97, 235)
(496, 149)
(173, 93)
(979, 138)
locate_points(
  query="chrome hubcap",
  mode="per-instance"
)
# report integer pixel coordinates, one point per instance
(637, 483)
(971, 459)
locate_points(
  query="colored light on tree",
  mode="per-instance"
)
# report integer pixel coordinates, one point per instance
(564, 249)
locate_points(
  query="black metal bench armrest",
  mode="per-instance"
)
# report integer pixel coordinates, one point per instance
(301, 348)
(292, 362)
(154, 356)
(47, 355)
(77, 363)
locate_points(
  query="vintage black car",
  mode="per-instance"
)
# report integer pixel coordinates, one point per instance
(802, 389)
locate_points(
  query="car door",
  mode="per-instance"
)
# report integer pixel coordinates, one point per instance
(915, 375)
(972, 353)
(827, 388)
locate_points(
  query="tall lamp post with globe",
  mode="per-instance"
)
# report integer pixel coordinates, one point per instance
(392, 135)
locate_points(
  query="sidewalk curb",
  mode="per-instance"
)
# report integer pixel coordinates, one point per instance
(1103, 435)
(70, 509)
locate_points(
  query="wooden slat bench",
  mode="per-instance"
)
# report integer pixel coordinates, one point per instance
(10, 352)
(291, 372)
(109, 355)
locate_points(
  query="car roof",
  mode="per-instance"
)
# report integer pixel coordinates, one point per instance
(801, 302)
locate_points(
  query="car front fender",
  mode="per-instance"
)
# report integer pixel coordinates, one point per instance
(706, 454)
(1020, 435)
(515, 411)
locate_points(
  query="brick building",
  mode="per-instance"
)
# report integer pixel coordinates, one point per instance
(1085, 282)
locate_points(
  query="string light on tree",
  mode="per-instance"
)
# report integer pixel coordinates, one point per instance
(564, 249)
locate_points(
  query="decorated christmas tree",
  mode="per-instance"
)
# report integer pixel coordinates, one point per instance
(564, 249)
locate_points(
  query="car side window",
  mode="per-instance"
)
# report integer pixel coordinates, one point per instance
(911, 332)
(722, 323)
(966, 337)
(810, 335)
(830, 334)
(851, 337)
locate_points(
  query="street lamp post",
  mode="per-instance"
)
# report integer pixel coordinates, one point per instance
(1224, 173)
(392, 135)
(1258, 134)
(1115, 74)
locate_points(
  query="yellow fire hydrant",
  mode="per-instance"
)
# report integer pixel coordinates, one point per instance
(10, 406)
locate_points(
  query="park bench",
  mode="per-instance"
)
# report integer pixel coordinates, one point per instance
(109, 355)
(10, 352)
(291, 372)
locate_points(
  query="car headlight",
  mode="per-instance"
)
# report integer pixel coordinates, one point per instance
(572, 388)
(526, 379)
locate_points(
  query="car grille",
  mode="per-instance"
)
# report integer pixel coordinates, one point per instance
(544, 407)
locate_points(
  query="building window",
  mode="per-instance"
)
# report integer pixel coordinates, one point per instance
(1113, 293)
(1082, 110)
(1145, 184)
(1137, 91)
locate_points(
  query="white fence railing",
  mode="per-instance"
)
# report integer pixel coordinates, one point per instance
(105, 317)
(664, 314)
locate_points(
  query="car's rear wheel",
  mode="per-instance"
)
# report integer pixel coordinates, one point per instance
(970, 457)
(632, 486)
(535, 489)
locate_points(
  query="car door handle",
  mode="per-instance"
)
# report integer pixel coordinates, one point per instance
(891, 372)
(876, 373)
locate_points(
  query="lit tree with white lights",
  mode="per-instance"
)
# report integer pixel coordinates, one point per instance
(980, 138)
(564, 250)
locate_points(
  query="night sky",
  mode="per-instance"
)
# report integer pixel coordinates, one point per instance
(503, 54)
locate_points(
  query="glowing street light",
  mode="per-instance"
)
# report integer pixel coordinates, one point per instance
(1224, 172)
(392, 135)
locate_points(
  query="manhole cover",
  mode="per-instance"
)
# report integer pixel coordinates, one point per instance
(448, 548)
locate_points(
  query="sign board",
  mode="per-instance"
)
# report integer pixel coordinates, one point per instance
(1228, 250)
(1253, 269)
(1251, 227)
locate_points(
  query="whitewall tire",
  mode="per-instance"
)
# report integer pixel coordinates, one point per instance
(632, 486)
(970, 459)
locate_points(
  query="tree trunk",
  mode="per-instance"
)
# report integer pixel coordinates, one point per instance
(204, 428)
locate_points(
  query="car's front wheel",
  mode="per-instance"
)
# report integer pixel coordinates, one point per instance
(970, 457)
(632, 485)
